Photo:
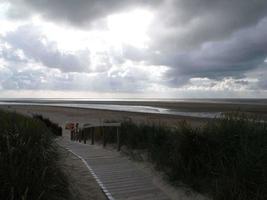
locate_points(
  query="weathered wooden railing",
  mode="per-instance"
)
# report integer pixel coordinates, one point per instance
(88, 132)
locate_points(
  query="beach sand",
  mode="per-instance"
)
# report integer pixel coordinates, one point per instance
(62, 115)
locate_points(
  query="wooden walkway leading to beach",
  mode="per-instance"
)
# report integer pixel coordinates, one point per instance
(117, 175)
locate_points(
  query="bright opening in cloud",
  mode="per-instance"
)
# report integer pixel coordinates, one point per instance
(130, 28)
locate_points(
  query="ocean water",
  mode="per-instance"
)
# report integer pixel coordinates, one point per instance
(88, 100)
(125, 105)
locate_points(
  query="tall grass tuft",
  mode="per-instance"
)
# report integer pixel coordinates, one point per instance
(28, 160)
(226, 158)
(56, 130)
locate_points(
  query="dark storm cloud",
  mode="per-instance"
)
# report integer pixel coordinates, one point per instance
(206, 38)
(178, 24)
(75, 12)
(29, 39)
(188, 23)
(260, 73)
(245, 50)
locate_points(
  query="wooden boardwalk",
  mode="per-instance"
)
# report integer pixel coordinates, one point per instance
(118, 176)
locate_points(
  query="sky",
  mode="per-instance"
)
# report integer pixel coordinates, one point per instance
(133, 48)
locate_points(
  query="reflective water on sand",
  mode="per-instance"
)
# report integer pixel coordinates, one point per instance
(126, 108)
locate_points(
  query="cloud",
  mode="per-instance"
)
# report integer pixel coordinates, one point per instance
(185, 24)
(81, 13)
(18, 72)
(29, 40)
(245, 50)
(226, 84)
(260, 74)
(195, 45)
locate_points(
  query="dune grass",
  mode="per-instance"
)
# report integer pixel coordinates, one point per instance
(225, 159)
(54, 128)
(28, 160)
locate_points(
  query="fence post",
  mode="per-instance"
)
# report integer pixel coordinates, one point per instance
(84, 136)
(104, 137)
(118, 140)
(79, 135)
(92, 136)
(71, 135)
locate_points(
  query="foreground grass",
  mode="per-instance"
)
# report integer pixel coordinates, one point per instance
(226, 159)
(28, 160)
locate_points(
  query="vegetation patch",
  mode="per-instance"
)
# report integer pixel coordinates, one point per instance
(226, 158)
(28, 160)
(55, 129)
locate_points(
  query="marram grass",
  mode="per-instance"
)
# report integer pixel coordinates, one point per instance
(28, 160)
(225, 159)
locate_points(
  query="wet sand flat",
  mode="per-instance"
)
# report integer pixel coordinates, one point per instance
(62, 115)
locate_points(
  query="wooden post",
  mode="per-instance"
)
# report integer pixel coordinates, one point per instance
(104, 137)
(89, 134)
(118, 140)
(79, 135)
(84, 136)
(71, 135)
(92, 136)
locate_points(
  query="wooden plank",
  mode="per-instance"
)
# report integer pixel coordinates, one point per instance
(119, 175)
(112, 124)
(102, 125)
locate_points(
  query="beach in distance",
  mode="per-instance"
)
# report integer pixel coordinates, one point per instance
(140, 110)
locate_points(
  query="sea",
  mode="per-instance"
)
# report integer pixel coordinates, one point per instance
(132, 105)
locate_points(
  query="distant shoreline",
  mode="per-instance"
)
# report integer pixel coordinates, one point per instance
(182, 108)
(62, 115)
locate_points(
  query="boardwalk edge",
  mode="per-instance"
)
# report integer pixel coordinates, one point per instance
(101, 185)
